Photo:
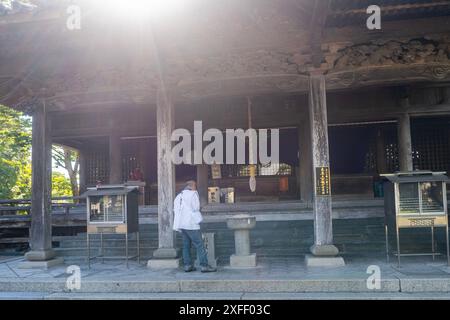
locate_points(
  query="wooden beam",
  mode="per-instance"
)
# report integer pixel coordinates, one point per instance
(395, 29)
(387, 9)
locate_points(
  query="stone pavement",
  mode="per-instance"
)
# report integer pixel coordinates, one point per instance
(274, 278)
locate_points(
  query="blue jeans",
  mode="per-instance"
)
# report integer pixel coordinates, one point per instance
(193, 237)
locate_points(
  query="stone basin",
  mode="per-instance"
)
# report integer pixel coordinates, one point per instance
(242, 221)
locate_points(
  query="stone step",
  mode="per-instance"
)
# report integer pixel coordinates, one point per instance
(107, 251)
(148, 251)
(202, 286)
(223, 250)
(222, 296)
(106, 243)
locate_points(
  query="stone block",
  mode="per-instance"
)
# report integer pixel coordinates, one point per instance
(243, 261)
(324, 250)
(166, 253)
(41, 255)
(163, 263)
(40, 264)
(322, 261)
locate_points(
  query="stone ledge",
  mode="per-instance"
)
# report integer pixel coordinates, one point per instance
(425, 285)
(163, 263)
(313, 261)
(325, 285)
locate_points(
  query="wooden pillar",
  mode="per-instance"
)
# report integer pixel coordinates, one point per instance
(305, 159)
(83, 171)
(381, 152)
(166, 254)
(323, 249)
(404, 142)
(115, 159)
(202, 183)
(41, 253)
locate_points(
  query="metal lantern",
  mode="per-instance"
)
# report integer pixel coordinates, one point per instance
(112, 209)
(416, 199)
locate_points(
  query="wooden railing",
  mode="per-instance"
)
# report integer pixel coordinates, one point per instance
(23, 206)
(15, 218)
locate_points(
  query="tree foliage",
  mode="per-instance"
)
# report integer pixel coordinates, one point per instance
(60, 185)
(68, 159)
(15, 153)
(15, 159)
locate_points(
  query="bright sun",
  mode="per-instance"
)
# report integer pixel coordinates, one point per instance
(140, 8)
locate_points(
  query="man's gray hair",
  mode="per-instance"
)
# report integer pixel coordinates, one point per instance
(189, 184)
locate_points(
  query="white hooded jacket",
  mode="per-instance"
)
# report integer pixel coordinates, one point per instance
(186, 208)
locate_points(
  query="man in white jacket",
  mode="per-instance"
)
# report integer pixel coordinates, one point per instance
(187, 218)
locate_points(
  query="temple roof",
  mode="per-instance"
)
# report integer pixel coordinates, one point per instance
(237, 47)
(341, 12)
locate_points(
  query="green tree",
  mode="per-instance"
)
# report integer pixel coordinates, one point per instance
(15, 153)
(15, 159)
(68, 159)
(22, 188)
(60, 185)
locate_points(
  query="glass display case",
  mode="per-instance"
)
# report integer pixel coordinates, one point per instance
(421, 198)
(213, 195)
(227, 195)
(107, 209)
(416, 199)
(112, 209)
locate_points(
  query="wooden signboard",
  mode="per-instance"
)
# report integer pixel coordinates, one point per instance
(323, 181)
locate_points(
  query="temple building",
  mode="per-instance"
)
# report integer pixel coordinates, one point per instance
(350, 104)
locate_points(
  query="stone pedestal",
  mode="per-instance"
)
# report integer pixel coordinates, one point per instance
(241, 224)
(43, 259)
(41, 264)
(315, 261)
(324, 256)
(164, 258)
